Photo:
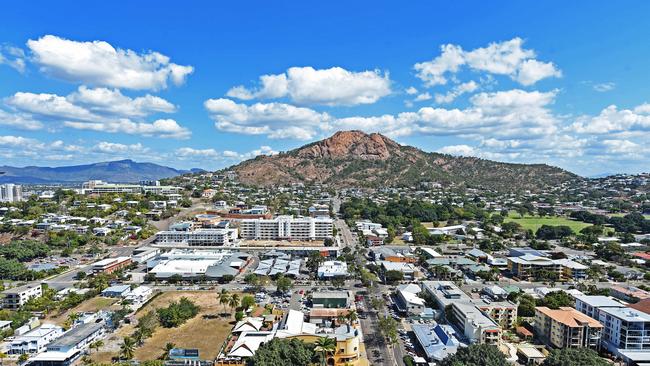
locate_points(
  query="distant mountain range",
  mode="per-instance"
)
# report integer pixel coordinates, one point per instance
(357, 159)
(123, 171)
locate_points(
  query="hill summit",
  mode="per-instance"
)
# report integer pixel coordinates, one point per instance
(358, 159)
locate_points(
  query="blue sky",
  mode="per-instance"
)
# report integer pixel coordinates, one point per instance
(206, 85)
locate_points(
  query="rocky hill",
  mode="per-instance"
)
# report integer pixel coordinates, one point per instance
(357, 159)
(124, 171)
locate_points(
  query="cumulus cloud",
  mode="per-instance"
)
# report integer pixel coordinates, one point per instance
(19, 120)
(613, 119)
(500, 58)
(101, 109)
(458, 150)
(276, 120)
(188, 152)
(13, 57)
(422, 97)
(99, 63)
(512, 113)
(306, 85)
(114, 147)
(112, 101)
(411, 91)
(457, 91)
(164, 128)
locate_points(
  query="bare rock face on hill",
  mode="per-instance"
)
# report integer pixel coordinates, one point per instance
(357, 159)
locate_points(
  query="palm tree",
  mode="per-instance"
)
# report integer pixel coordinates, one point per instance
(127, 348)
(96, 345)
(340, 319)
(168, 347)
(352, 316)
(138, 337)
(323, 347)
(224, 298)
(234, 301)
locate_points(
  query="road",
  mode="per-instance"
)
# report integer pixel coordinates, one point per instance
(67, 279)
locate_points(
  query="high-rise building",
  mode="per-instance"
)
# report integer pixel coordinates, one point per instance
(11, 193)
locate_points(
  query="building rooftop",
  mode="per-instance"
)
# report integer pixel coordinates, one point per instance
(600, 301)
(643, 305)
(75, 335)
(437, 342)
(569, 317)
(20, 289)
(627, 314)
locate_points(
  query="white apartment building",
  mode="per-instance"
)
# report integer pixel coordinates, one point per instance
(16, 297)
(626, 333)
(35, 340)
(99, 187)
(287, 227)
(591, 305)
(200, 237)
(476, 326)
(11, 193)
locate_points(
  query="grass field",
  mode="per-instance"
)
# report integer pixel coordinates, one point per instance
(535, 222)
(207, 331)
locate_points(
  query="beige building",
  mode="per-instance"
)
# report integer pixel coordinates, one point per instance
(567, 328)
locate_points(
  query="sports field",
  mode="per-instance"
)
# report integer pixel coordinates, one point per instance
(535, 222)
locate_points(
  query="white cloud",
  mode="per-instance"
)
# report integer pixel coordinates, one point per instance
(188, 152)
(411, 91)
(422, 97)
(512, 113)
(458, 150)
(114, 102)
(50, 105)
(164, 128)
(306, 85)
(98, 109)
(604, 87)
(457, 91)
(14, 57)
(17, 141)
(277, 120)
(503, 58)
(612, 119)
(19, 121)
(99, 63)
(113, 147)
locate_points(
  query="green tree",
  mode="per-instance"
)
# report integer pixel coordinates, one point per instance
(224, 298)
(127, 348)
(251, 279)
(283, 283)
(574, 357)
(323, 347)
(168, 347)
(388, 327)
(476, 355)
(283, 352)
(234, 301)
(393, 276)
(314, 260)
(247, 302)
(97, 345)
(526, 306)
(556, 300)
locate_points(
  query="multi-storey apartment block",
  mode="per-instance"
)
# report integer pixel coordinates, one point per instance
(287, 227)
(567, 328)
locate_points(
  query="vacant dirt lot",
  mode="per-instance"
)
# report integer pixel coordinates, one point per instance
(207, 331)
